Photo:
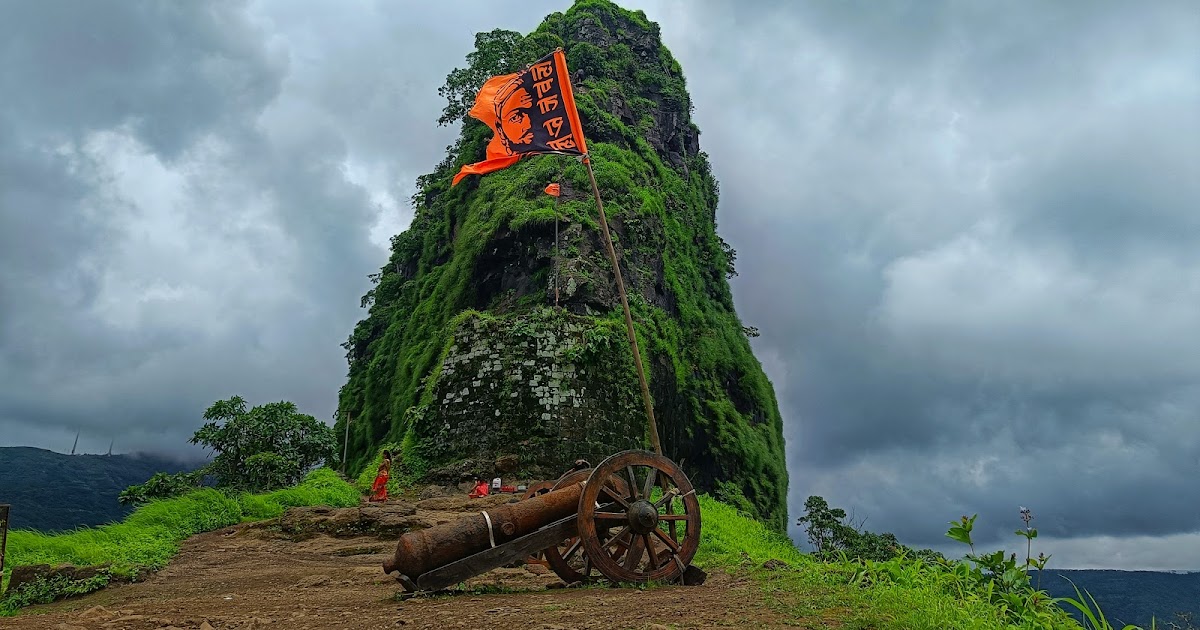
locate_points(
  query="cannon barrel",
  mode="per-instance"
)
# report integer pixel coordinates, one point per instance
(424, 550)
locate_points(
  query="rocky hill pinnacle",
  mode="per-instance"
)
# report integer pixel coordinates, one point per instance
(464, 365)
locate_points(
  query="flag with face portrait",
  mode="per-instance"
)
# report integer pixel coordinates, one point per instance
(530, 112)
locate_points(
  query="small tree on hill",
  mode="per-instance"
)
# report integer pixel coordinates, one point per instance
(269, 446)
(830, 534)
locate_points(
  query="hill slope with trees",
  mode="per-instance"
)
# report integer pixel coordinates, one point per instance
(52, 491)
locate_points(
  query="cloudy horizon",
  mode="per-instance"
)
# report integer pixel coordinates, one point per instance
(968, 235)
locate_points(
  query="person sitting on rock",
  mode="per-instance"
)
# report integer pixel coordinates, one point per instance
(481, 489)
(379, 488)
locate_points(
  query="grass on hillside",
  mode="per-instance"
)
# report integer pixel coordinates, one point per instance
(150, 536)
(818, 595)
(810, 593)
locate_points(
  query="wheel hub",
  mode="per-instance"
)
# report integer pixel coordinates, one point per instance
(643, 517)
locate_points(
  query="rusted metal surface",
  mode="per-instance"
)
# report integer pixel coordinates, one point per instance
(491, 558)
(3, 533)
(424, 550)
(645, 541)
(541, 487)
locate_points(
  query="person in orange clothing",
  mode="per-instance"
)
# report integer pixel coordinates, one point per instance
(379, 488)
(481, 489)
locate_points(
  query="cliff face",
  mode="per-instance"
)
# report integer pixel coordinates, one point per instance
(463, 358)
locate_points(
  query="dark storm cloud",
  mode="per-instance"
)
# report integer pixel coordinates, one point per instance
(172, 70)
(968, 236)
(966, 232)
(193, 197)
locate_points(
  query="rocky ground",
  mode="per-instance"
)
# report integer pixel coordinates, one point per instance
(321, 568)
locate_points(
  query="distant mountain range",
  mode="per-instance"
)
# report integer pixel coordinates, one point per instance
(1130, 597)
(52, 491)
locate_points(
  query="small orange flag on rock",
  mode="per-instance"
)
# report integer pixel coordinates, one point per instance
(552, 190)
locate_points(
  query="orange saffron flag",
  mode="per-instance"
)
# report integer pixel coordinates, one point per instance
(531, 112)
(552, 190)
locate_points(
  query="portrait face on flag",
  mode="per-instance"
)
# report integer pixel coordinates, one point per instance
(513, 117)
(531, 111)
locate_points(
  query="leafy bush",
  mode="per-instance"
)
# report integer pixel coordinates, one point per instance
(268, 446)
(268, 470)
(162, 486)
(44, 591)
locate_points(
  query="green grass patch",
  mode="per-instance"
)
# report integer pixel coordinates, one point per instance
(901, 594)
(149, 537)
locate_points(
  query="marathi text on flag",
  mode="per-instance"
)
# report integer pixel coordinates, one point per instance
(531, 112)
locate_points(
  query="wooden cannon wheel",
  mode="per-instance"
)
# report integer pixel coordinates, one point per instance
(656, 524)
(568, 559)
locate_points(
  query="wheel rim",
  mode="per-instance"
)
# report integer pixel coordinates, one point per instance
(568, 559)
(654, 525)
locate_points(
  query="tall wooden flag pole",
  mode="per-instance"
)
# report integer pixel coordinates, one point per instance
(637, 355)
(554, 190)
(533, 112)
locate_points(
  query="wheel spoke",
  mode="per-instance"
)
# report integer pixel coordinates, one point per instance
(672, 517)
(667, 499)
(674, 546)
(615, 493)
(575, 547)
(651, 477)
(617, 539)
(653, 560)
(633, 489)
(611, 516)
(635, 553)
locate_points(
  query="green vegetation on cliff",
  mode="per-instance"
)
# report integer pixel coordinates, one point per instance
(487, 246)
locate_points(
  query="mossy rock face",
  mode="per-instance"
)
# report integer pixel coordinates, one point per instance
(463, 356)
(553, 389)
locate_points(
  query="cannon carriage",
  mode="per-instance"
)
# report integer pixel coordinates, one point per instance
(632, 518)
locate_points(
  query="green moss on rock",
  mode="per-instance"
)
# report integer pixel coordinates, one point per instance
(475, 271)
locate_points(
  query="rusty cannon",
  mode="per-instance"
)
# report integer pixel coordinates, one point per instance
(633, 518)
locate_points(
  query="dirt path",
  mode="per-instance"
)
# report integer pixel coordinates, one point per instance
(254, 577)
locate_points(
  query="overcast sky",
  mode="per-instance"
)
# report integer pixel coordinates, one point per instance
(969, 234)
